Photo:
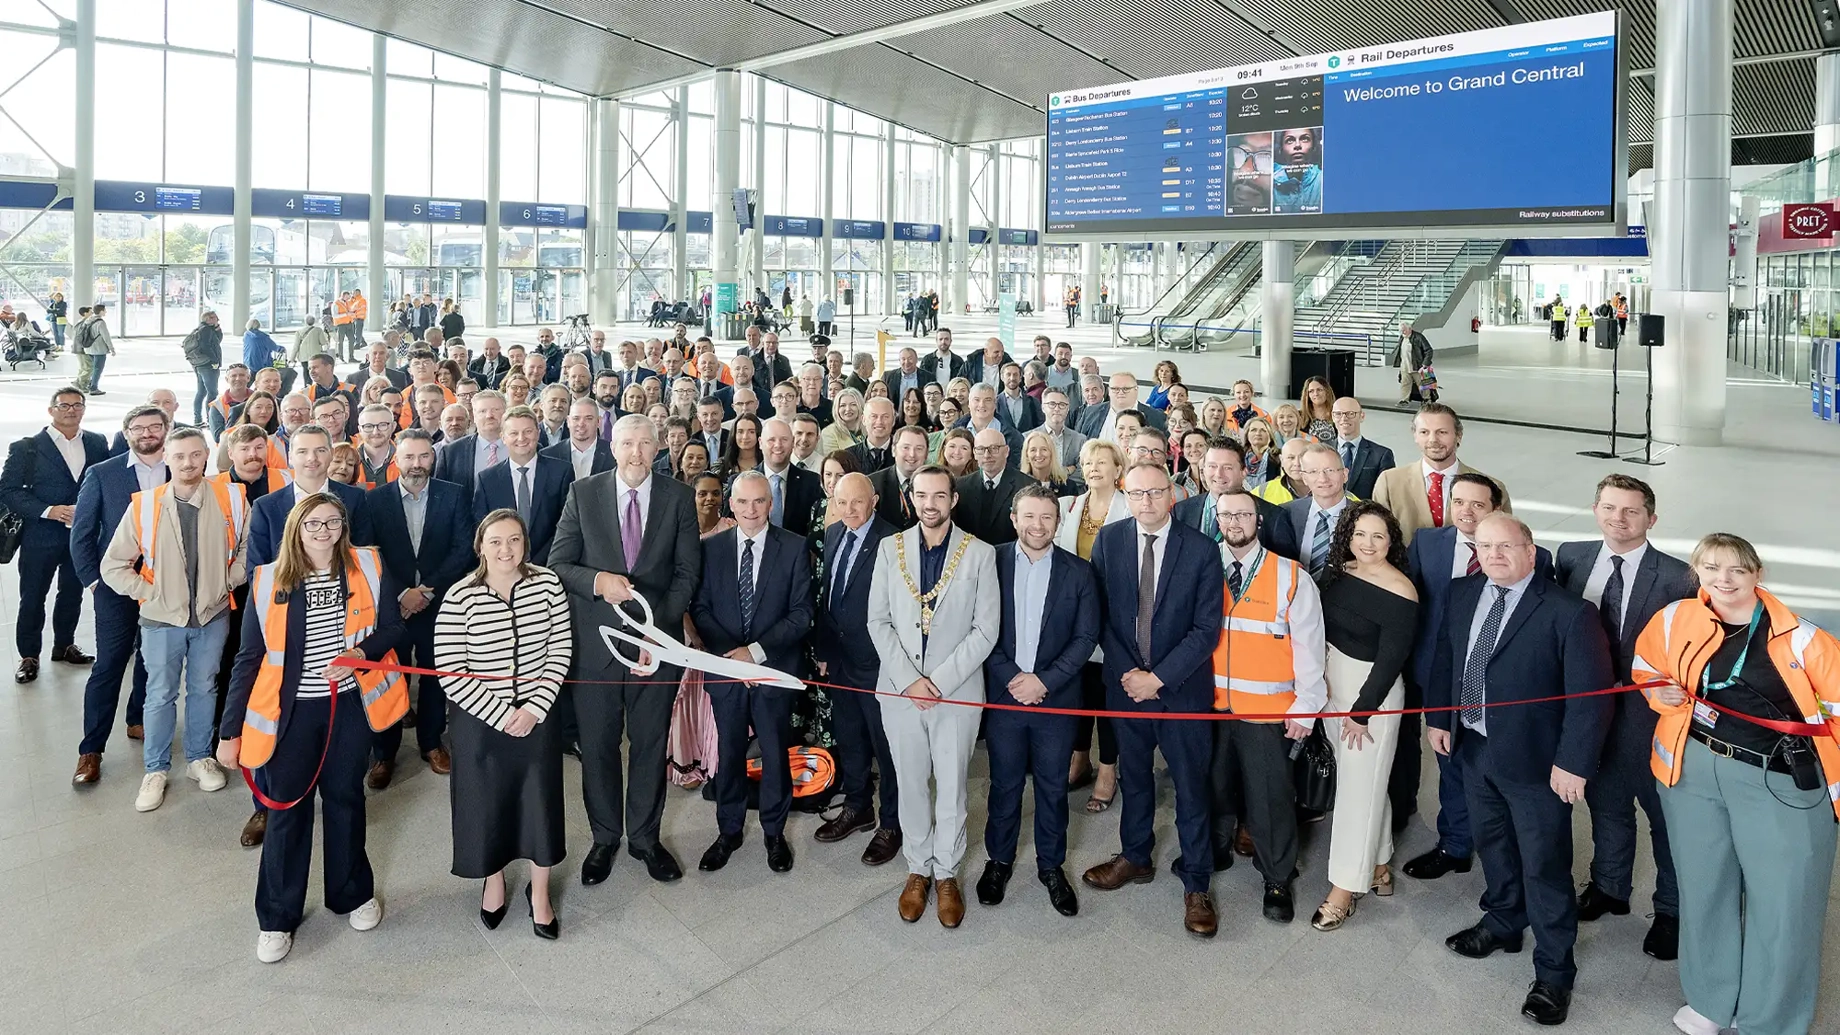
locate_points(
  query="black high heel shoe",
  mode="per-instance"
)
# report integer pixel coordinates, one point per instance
(550, 931)
(492, 918)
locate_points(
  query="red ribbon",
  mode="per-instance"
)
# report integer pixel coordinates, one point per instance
(332, 713)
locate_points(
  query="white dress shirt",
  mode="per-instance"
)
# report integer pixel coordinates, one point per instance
(488, 454)
(1600, 574)
(582, 459)
(518, 471)
(71, 449)
(1426, 470)
(1159, 547)
(1460, 556)
(1309, 527)
(151, 476)
(1031, 603)
(1515, 592)
(1308, 635)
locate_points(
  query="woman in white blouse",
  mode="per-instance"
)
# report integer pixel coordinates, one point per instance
(1101, 467)
(509, 619)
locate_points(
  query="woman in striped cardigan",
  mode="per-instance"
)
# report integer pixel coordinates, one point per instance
(509, 619)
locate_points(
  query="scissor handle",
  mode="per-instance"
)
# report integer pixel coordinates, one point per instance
(610, 636)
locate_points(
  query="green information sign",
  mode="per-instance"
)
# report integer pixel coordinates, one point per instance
(726, 297)
(1006, 319)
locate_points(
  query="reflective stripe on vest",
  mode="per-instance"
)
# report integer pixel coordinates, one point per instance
(146, 510)
(1254, 671)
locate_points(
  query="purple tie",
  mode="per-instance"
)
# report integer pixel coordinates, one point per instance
(630, 532)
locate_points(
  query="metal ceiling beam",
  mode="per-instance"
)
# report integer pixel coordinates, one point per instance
(1510, 13)
(1756, 59)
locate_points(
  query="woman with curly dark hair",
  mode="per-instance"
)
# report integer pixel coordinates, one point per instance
(1370, 612)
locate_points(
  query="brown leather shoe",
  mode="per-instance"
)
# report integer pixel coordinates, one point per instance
(845, 823)
(1116, 872)
(883, 847)
(913, 897)
(89, 768)
(1198, 914)
(379, 776)
(951, 906)
(439, 761)
(1242, 843)
(137, 732)
(254, 830)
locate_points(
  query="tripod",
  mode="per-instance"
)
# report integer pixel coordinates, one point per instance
(1616, 352)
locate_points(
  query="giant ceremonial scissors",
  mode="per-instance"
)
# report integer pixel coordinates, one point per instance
(665, 648)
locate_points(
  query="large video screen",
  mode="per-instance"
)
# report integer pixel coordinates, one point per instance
(1515, 126)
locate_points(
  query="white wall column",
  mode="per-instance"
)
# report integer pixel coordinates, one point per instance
(243, 146)
(827, 201)
(681, 286)
(725, 241)
(1278, 314)
(83, 175)
(960, 264)
(993, 241)
(1689, 225)
(890, 305)
(1826, 123)
(1091, 256)
(376, 287)
(495, 135)
(760, 183)
(604, 215)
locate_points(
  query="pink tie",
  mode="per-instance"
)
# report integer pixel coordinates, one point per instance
(491, 454)
(630, 531)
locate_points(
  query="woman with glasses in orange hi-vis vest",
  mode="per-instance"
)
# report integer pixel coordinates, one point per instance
(1750, 807)
(302, 718)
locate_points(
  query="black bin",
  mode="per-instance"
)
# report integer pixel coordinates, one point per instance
(1335, 366)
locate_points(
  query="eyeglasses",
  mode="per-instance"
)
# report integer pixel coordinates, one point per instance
(1139, 495)
(988, 450)
(328, 525)
(1236, 517)
(375, 427)
(67, 407)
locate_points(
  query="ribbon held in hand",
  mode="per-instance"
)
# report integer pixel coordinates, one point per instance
(665, 648)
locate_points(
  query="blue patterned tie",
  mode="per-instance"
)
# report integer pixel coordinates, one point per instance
(1476, 669)
(1319, 545)
(844, 550)
(1348, 455)
(746, 590)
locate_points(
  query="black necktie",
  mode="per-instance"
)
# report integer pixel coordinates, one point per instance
(1474, 692)
(1236, 581)
(1610, 609)
(746, 589)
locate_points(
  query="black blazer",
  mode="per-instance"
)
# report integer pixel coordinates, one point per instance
(1092, 418)
(639, 374)
(1191, 511)
(1428, 561)
(841, 636)
(1186, 625)
(803, 490)
(1011, 437)
(1370, 460)
(769, 373)
(549, 487)
(36, 477)
(489, 373)
(782, 597)
(889, 504)
(399, 379)
(603, 456)
(1069, 630)
(384, 637)
(869, 459)
(723, 394)
(984, 513)
(973, 366)
(929, 366)
(447, 538)
(454, 463)
(1551, 645)
(1657, 582)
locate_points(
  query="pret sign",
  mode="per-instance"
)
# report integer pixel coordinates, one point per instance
(1806, 220)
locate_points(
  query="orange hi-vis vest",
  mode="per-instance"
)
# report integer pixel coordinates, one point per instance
(278, 478)
(1234, 426)
(359, 307)
(315, 392)
(277, 455)
(341, 312)
(1679, 643)
(223, 406)
(390, 471)
(406, 418)
(384, 694)
(1253, 669)
(145, 508)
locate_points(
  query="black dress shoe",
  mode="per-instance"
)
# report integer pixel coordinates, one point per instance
(1223, 860)
(1663, 941)
(1479, 942)
(71, 654)
(598, 864)
(1594, 903)
(1435, 864)
(845, 823)
(1279, 908)
(550, 931)
(991, 885)
(779, 853)
(1060, 891)
(716, 856)
(659, 864)
(493, 917)
(883, 847)
(27, 670)
(1547, 1004)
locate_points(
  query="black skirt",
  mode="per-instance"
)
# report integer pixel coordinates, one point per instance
(507, 796)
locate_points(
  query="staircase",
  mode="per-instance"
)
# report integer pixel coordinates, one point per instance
(1400, 280)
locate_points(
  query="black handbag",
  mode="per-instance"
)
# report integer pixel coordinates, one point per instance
(12, 530)
(1313, 771)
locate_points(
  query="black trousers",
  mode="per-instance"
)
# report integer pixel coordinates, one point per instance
(417, 650)
(640, 712)
(1524, 836)
(43, 560)
(856, 721)
(768, 709)
(118, 643)
(1025, 745)
(1092, 696)
(1623, 780)
(1184, 744)
(1403, 782)
(1251, 781)
(287, 849)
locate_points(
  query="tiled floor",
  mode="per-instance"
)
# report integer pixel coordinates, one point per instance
(122, 922)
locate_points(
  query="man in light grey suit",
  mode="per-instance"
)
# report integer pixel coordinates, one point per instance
(928, 652)
(623, 532)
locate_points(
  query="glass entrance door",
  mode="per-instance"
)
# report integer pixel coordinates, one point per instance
(141, 301)
(181, 297)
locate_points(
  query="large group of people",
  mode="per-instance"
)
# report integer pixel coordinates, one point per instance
(917, 543)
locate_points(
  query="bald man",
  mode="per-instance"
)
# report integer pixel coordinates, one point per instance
(876, 450)
(795, 491)
(984, 495)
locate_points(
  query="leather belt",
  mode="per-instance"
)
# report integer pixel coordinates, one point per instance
(1737, 753)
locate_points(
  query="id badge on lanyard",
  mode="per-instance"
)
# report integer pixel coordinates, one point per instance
(1703, 713)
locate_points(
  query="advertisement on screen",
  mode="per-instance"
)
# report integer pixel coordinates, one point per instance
(1516, 127)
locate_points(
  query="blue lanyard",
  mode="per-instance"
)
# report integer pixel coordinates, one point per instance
(1731, 678)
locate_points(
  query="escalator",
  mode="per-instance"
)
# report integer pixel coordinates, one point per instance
(1209, 313)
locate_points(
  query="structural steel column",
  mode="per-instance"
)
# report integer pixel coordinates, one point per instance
(827, 201)
(1090, 254)
(82, 290)
(604, 218)
(760, 182)
(726, 243)
(1826, 123)
(993, 240)
(1277, 309)
(680, 203)
(1689, 230)
(960, 264)
(376, 289)
(495, 136)
(889, 306)
(243, 145)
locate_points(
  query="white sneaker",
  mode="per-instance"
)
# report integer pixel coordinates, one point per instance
(207, 774)
(368, 915)
(153, 792)
(1692, 1022)
(273, 946)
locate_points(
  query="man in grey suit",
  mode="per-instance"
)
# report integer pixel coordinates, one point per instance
(934, 615)
(621, 533)
(1629, 580)
(1055, 407)
(1100, 421)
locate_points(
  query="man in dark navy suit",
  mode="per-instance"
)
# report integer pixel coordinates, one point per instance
(463, 459)
(40, 486)
(584, 450)
(1515, 636)
(1364, 458)
(534, 485)
(754, 604)
(1445, 557)
(794, 491)
(1050, 626)
(846, 657)
(1628, 580)
(310, 460)
(1159, 649)
(984, 495)
(102, 498)
(1100, 421)
(426, 542)
(894, 485)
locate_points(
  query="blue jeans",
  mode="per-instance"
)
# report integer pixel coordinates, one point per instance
(207, 391)
(166, 649)
(96, 363)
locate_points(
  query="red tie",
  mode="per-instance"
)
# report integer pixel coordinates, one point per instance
(1474, 564)
(1435, 497)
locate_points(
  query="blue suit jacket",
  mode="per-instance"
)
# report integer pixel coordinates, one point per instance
(454, 463)
(102, 499)
(36, 477)
(842, 628)
(1186, 626)
(1428, 562)
(447, 538)
(603, 457)
(1370, 460)
(1069, 629)
(1551, 645)
(782, 597)
(549, 490)
(268, 519)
